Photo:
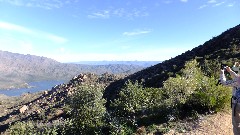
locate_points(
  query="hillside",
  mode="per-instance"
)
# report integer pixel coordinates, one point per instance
(175, 96)
(224, 48)
(221, 49)
(49, 106)
(17, 69)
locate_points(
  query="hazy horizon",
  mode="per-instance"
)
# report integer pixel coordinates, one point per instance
(72, 31)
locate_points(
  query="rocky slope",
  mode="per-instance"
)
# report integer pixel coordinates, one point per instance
(47, 105)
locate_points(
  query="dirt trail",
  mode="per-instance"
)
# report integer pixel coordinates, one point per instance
(217, 124)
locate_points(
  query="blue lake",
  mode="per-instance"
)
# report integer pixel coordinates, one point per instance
(36, 87)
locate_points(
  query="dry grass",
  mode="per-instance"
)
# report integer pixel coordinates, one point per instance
(216, 124)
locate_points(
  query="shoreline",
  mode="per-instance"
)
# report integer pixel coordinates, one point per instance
(21, 86)
(32, 87)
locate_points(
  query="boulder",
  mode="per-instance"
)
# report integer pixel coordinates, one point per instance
(59, 112)
(45, 92)
(23, 109)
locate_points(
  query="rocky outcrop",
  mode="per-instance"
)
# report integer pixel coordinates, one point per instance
(23, 109)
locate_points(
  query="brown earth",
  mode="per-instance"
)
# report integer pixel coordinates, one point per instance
(215, 124)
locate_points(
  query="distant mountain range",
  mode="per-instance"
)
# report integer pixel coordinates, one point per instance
(17, 69)
(139, 63)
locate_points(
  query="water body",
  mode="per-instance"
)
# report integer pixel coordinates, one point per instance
(36, 87)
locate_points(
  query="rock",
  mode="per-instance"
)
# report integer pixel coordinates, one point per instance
(141, 130)
(84, 77)
(45, 92)
(23, 109)
(59, 112)
(38, 111)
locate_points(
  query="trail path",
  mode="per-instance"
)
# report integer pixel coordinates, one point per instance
(217, 124)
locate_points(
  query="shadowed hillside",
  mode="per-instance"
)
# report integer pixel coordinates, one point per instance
(224, 48)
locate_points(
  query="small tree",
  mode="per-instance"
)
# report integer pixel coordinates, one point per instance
(210, 97)
(87, 110)
(137, 105)
(178, 89)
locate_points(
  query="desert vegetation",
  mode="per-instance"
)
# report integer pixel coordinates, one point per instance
(136, 108)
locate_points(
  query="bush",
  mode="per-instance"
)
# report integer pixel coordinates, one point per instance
(33, 128)
(126, 107)
(87, 110)
(22, 128)
(179, 89)
(210, 97)
(193, 91)
(136, 106)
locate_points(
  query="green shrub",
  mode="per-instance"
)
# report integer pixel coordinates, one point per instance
(126, 107)
(23, 128)
(33, 128)
(192, 90)
(136, 105)
(180, 88)
(87, 110)
(210, 96)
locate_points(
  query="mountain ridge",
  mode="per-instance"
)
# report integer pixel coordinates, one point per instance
(17, 69)
(105, 62)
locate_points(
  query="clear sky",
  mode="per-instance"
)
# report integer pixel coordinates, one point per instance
(83, 30)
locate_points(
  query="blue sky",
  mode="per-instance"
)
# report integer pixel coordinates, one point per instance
(83, 30)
